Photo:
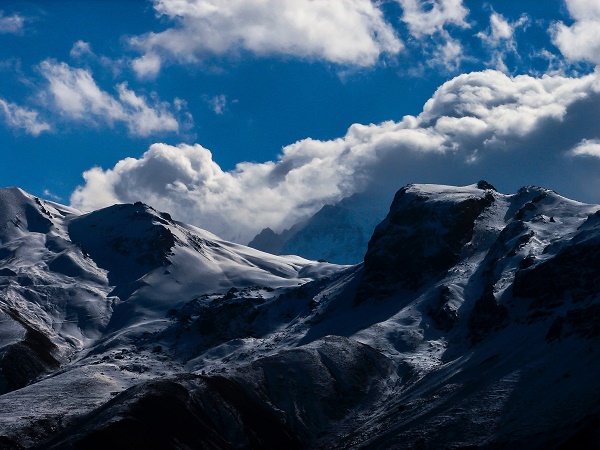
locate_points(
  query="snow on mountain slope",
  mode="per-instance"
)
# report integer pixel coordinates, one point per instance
(38, 265)
(155, 263)
(337, 233)
(473, 322)
(482, 353)
(75, 284)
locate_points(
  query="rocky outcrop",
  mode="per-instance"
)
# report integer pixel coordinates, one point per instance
(24, 361)
(421, 238)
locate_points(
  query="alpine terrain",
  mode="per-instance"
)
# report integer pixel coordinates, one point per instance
(473, 322)
(337, 233)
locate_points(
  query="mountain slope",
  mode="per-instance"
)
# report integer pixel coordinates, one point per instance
(337, 233)
(473, 322)
(78, 284)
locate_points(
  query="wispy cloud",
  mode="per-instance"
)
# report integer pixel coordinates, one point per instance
(500, 38)
(19, 117)
(81, 49)
(337, 31)
(51, 195)
(587, 147)
(425, 18)
(428, 22)
(448, 53)
(218, 104)
(82, 53)
(12, 24)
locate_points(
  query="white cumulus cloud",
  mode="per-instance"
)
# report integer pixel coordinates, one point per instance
(338, 31)
(481, 121)
(77, 96)
(426, 17)
(580, 41)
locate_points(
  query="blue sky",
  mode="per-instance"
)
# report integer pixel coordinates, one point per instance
(241, 114)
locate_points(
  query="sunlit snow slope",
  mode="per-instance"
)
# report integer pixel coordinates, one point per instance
(70, 280)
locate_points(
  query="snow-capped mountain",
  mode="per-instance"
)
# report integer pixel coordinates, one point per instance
(336, 233)
(473, 322)
(75, 283)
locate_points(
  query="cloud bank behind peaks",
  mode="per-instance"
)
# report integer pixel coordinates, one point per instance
(474, 121)
(338, 31)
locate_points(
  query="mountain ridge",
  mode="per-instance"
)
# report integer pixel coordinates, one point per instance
(472, 322)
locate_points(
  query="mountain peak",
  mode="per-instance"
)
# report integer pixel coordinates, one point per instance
(422, 236)
(482, 184)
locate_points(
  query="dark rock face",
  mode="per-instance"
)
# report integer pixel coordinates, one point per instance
(581, 322)
(571, 275)
(420, 239)
(37, 218)
(5, 272)
(24, 361)
(482, 184)
(185, 412)
(318, 385)
(486, 317)
(254, 409)
(442, 312)
(564, 287)
(224, 319)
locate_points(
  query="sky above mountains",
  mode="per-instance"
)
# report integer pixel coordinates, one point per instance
(241, 114)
